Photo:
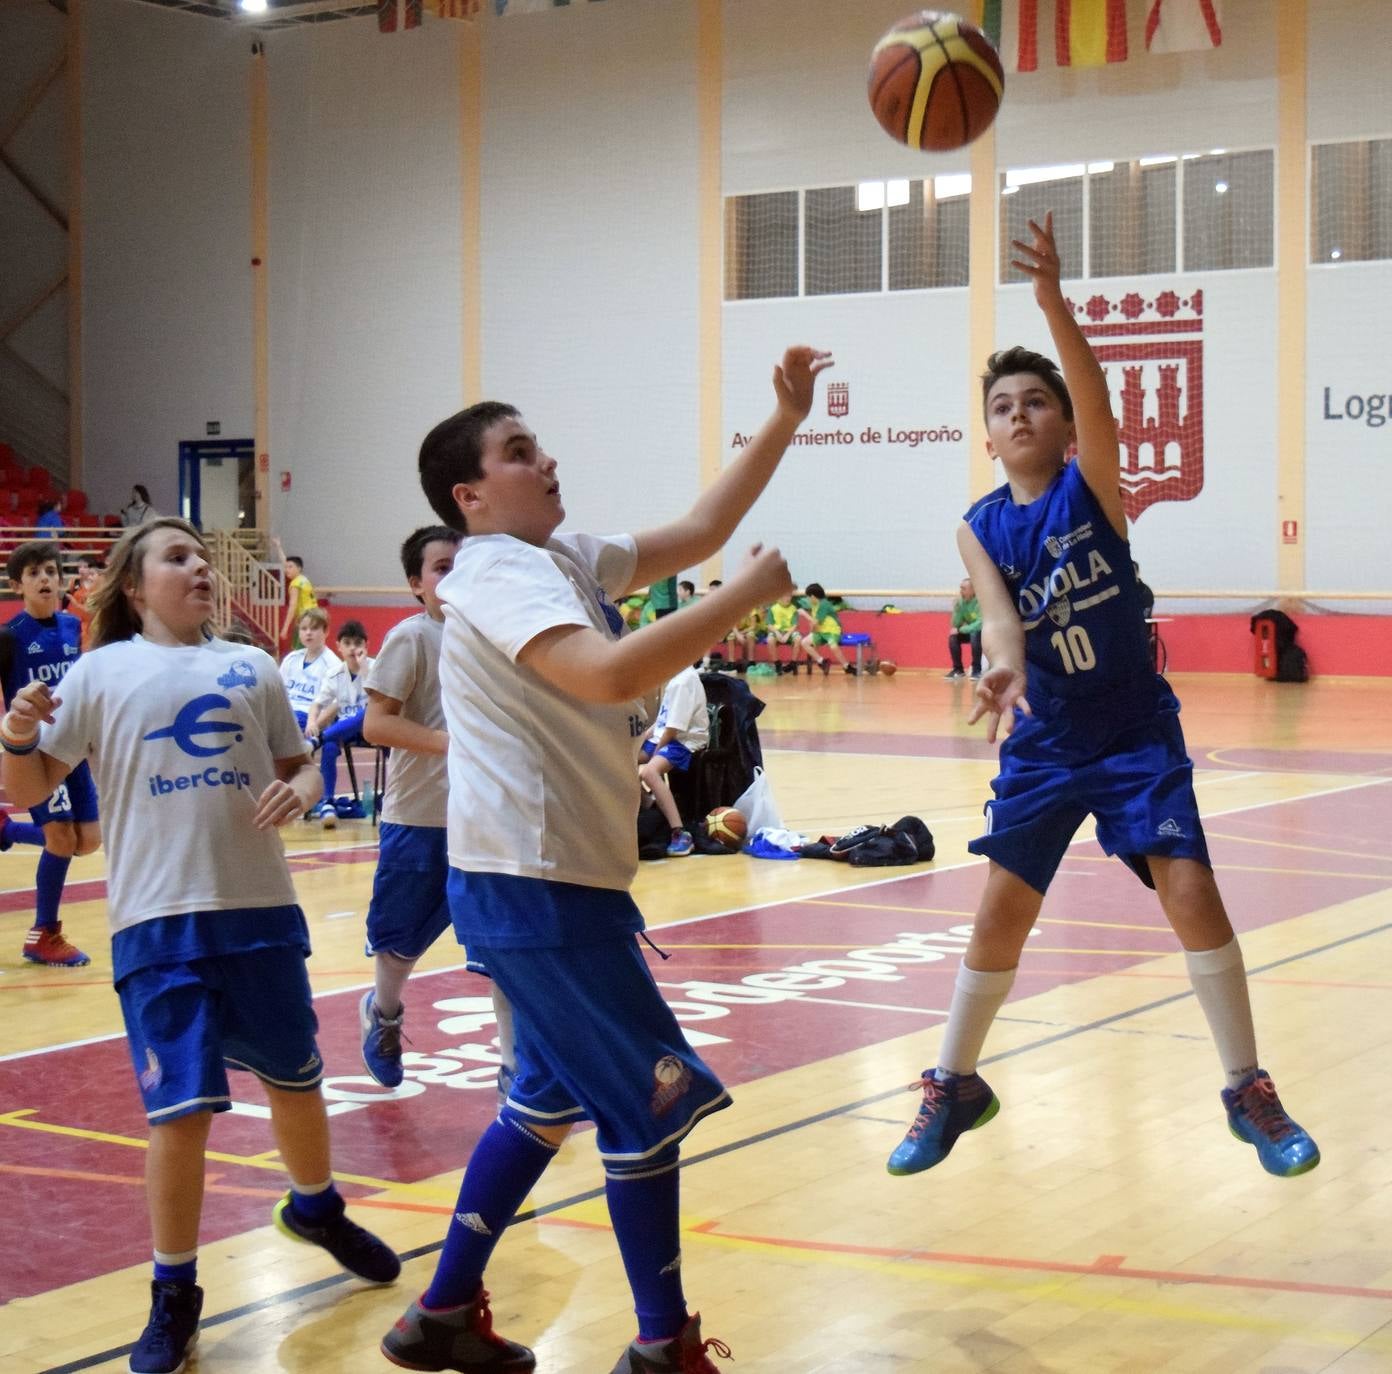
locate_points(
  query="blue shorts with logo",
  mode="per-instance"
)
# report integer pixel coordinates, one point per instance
(73, 800)
(188, 1023)
(409, 910)
(675, 752)
(593, 1038)
(1139, 785)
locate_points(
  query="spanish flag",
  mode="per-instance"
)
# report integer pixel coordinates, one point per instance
(1032, 35)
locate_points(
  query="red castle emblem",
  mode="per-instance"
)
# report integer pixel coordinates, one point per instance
(1159, 344)
(838, 398)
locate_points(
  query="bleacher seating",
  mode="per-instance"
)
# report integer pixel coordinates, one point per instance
(23, 488)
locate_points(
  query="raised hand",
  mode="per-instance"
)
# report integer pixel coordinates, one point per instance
(1040, 259)
(998, 691)
(765, 577)
(795, 378)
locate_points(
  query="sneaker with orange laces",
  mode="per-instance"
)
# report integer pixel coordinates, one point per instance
(48, 945)
(1255, 1114)
(951, 1106)
(459, 1338)
(684, 1353)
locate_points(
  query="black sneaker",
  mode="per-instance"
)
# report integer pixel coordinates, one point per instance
(685, 1353)
(358, 1251)
(460, 1338)
(172, 1331)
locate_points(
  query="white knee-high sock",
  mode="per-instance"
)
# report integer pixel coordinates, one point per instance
(976, 998)
(1220, 984)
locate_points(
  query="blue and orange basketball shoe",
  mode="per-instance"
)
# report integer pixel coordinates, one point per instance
(950, 1106)
(1255, 1114)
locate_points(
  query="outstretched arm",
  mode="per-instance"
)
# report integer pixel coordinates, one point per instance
(1002, 685)
(1099, 453)
(582, 662)
(708, 525)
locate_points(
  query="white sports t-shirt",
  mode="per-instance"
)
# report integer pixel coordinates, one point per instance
(684, 709)
(408, 671)
(541, 784)
(182, 743)
(303, 680)
(343, 690)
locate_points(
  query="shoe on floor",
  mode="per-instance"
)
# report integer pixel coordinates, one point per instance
(172, 1331)
(459, 1338)
(956, 675)
(381, 1041)
(358, 1251)
(950, 1106)
(1255, 1114)
(48, 945)
(684, 1353)
(680, 845)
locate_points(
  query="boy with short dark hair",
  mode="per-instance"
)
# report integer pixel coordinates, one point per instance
(544, 695)
(409, 910)
(825, 632)
(299, 594)
(1095, 730)
(336, 717)
(40, 644)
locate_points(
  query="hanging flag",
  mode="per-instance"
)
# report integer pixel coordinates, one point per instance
(1089, 33)
(386, 16)
(411, 15)
(457, 9)
(1183, 25)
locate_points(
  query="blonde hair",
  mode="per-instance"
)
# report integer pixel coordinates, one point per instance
(316, 615)
(114, 617)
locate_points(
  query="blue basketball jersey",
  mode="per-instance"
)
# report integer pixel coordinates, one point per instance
(1071, 578)
(33, 650)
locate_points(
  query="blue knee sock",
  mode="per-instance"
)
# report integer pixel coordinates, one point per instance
(645, 1213)
(13, 832)
(328, 766)
(503, 1169)
(53, 873)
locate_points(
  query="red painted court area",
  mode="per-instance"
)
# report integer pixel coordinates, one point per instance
(759, 991)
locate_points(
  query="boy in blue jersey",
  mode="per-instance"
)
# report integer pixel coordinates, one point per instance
(1095, 730)
(545, 704)
(40, 644)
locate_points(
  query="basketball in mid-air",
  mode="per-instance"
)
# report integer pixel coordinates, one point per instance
(935, 81)
(727, 827)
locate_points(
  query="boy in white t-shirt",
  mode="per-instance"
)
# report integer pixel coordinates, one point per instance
(682, 729)
(199, 761)
(304, 671)
(336, 717)
(543, 695)
(408, 911)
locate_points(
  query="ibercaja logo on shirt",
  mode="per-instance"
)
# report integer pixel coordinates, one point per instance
(200, 738)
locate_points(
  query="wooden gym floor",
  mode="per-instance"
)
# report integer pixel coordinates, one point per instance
(1106, 1221)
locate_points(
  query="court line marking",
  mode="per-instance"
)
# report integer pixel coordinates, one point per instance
(1307, 848)
(563, 1204)
(918, 871)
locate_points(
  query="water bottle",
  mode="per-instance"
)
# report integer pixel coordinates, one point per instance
(369, 800)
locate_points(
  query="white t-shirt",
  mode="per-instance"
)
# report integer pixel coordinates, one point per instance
(684, 709)
(182, 743)
(408, 671)
(541, 784)
(344, 690)
(303, 680)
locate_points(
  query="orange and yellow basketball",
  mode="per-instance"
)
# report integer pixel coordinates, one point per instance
(727, 827)
(935, 81)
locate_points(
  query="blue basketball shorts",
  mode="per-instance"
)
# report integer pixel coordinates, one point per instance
(594, 1040)
(409, 910)
(188, 1023)
(675, 752)
(1140, 789)
(73, 800)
